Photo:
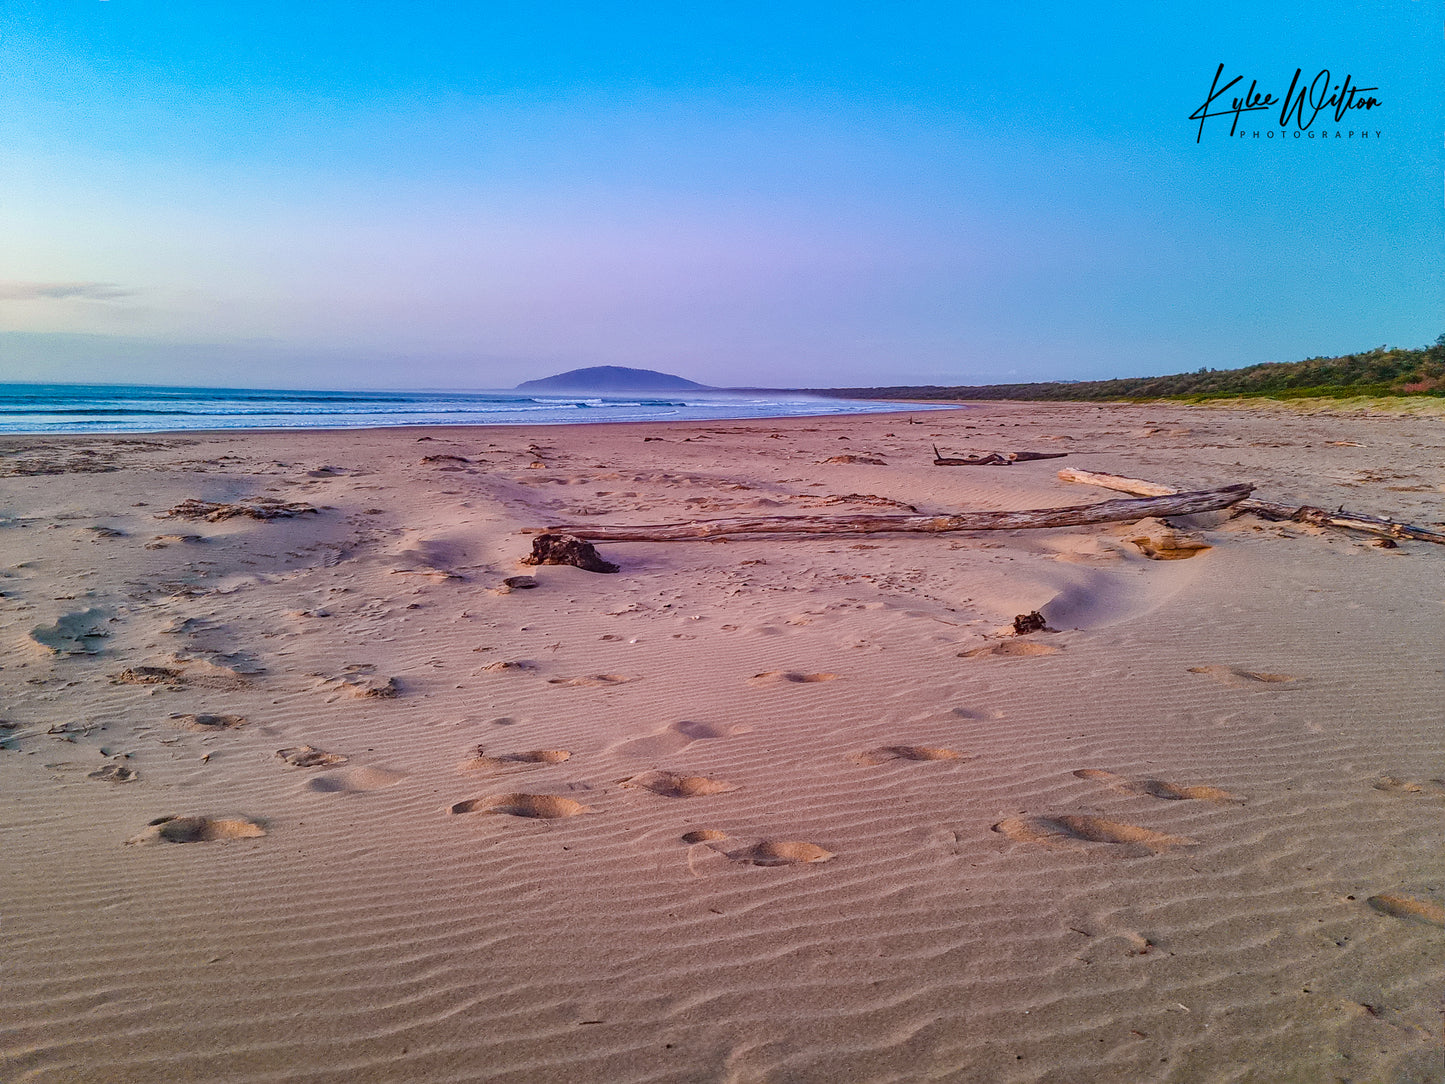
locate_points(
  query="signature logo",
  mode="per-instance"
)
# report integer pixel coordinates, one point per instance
(1301, 104)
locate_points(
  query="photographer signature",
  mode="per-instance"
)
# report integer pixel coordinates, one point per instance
(1302, 104)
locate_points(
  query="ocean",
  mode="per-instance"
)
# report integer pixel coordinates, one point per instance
(133, 408)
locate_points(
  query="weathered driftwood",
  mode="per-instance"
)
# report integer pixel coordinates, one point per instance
(1351, 521)
(252, 507)
(1136, 486)
(993, 459)
(1177, 504)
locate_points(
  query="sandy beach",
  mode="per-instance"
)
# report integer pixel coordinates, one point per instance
(782, 810)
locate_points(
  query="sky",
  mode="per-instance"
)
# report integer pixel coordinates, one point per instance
(468, 195)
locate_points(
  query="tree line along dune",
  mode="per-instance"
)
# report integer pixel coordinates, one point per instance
(1382, 371)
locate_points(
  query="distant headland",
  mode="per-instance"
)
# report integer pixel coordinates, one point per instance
(604, 379)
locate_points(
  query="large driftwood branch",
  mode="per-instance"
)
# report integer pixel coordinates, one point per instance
(993, 459)
(1351, 521)
(1177, 504)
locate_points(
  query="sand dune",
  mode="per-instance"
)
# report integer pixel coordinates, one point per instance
(803, 810)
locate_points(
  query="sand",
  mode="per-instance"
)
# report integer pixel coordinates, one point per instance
(294, 785)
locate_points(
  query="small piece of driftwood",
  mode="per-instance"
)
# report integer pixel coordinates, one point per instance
(1136, 486)
(1350, 521)
(993, 459)
(565, 548)
(1178, 504)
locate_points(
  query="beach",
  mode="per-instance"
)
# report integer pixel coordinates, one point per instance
(793, 809)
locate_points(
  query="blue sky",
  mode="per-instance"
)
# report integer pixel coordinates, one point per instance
(469, 195)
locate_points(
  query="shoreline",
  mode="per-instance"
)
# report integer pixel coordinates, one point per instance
(169, 410)
(458, 429)
(745, 810)
(1380, 406)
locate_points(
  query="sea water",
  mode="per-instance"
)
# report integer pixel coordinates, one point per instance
(131, 408)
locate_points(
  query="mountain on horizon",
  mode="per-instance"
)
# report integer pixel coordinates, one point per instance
(611, 378)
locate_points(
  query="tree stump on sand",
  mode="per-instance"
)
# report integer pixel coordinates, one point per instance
(566, 549)
(1029, 622)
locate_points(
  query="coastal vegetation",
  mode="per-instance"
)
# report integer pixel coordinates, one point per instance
(1383, 371)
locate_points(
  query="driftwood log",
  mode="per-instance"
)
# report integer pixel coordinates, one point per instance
(993, 459)
(1177, 504)
(1350, 521)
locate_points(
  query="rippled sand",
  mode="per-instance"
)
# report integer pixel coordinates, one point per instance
(309, 792)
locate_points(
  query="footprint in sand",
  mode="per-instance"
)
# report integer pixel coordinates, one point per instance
(536, 806)
(533, 758)
(306, 756)
(704, 835)
(1011, 649)
(1409, 908)
(884, 753)
(114, 773)
(788, 677)
(763, 852)
(510, 666)
(230, 673)
(1085, 829)
(354, 780)
(189, 626)
(161, 541)
(206, 724)
(147, 675)
(1242, 679)
(672, 785)
(174, 829)
(361, 682)
(786, 852)
(673, 737)
(591, 681)
(1158, 788)
(1391, 785)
